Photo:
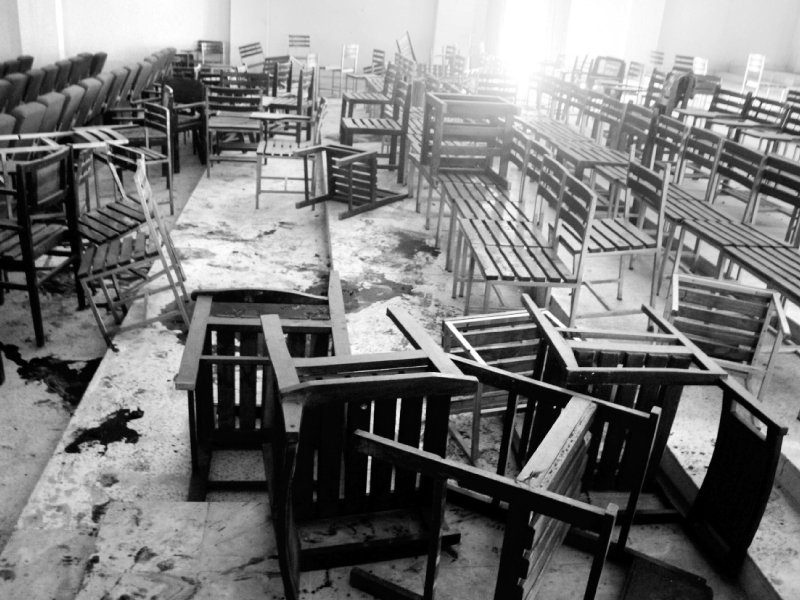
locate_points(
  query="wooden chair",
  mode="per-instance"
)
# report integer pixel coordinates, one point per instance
(731, 323)
(394, 127)
(121, 268)
(299, 45)
(232, 412)
(683, 63)
(385, 394)
(535, 262)
(252, 56)
(372, 73)
(348, 65)
(212, 52)
(229, 126)
(537, 518)
(606, 69)
(753, 72)
(405, 47)
(351, 177)
(44, 224)
(778, 181)
(282, 148)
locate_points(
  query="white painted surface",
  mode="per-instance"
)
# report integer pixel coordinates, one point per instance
(9, 30)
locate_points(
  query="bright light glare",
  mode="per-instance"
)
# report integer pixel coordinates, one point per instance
(523, 38)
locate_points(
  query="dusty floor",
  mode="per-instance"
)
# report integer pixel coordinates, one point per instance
(61, 511)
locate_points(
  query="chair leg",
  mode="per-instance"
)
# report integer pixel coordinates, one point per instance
(36, 308)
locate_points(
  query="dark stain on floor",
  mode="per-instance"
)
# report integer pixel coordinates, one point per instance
(381, 289)
(409, 245)
(113, 429)
(60, 376)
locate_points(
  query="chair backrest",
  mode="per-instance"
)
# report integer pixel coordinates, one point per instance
(211, 52)
(791, 119)
(727, 320)
(738, 163)
(753, 71)
(29, 116)
(574, 217)
(54, 106)
(62, 77)
(25, 62)
(156, 116)
(405, 47)
(607, 67)
(45, 185)
(79, 68)
(10, 65)
(779, 180)
(108, 85)
(655, 87)
(378, 64)
(649, 188)
(635, 130)
(184, 91)
(299, 44)
(5, 90)
(701, 153)
(143, 79)
(730, 101)
(635, 73)
(765, 110)
(667, 143)
(32, 90)
(349, 57)
(74, 95)
(656, 58)
(279, 69)
(92, 87)
(684, 63)
(7, 123)
(97, 63)
(252, 56)
(551, 181)
(49, 79)
(122, 96)
(227, 99)
(18, 81)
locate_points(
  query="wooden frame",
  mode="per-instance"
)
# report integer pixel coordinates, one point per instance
(317, 474)
(351, 177)
(536, 522)
(225, 346)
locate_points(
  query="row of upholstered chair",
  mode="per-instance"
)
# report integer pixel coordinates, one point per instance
(19, 86)
(20, 64)
(109, 97)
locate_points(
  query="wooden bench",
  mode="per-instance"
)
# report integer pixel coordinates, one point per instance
(227, 371)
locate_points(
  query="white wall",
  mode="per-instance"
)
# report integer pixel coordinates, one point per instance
(459, 23)
(40, 30)
(249, 24)
(10, 46)
(726, 31)
(128, 30)
(369, 23)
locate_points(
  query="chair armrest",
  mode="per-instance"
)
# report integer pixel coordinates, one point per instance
(309, 150)
(269, 117)
(360, 157)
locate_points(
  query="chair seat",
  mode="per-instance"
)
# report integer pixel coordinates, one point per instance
(45, 237)
(366, 98)
(234, 122)
(617, 234)
(374, 126)
(110, 220)
(98, 260)
(722, 234)
(280, 148)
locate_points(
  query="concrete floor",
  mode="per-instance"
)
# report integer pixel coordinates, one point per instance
(110, 520)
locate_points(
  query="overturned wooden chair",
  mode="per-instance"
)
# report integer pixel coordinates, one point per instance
(126, 267)
(536, 519)
(351, 177)
(314, 472)
(227, 373)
